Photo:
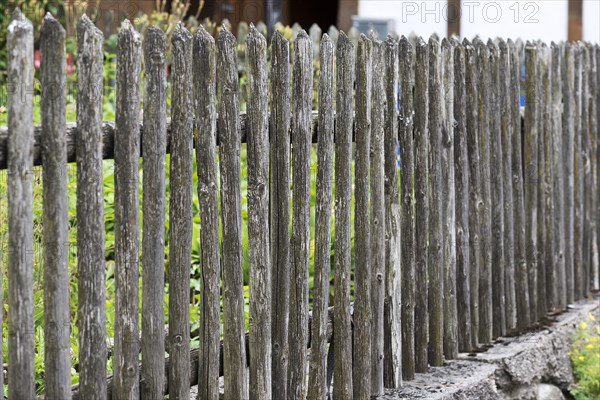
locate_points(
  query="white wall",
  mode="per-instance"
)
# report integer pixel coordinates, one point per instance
(528, 19)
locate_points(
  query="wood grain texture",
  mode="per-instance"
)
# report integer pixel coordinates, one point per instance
(300, 243)
(234, 359)
(392, 315)
(91, 313)
(461, 177)
(497, 196)
(521, 275)
(474, 186)
(345, 72)
(435, 255)
(180, 216)
(317, 388)
(362, 248)
(377, 213)
(280, 208)
(57, 328)
(485, 239)
(568, 158)
(578, 173)
(155, 108)
(505, 107)
(205, 137)
(127, 218)
(258, 217)
(20, 208)
(407, 262)
(421, 204)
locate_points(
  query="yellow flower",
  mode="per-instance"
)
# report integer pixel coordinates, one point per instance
(590, 347)
(583, 325)
(591, 316)
(581, 358)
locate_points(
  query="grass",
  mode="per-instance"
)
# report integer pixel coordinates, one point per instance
(585, 357)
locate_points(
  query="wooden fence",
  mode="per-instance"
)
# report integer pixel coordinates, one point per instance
(482, 225)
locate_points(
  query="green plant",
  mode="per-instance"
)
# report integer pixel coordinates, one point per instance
(585, 356)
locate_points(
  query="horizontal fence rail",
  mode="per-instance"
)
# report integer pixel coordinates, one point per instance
(459, 216)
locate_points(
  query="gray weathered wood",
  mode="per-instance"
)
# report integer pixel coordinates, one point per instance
(57, 357)
(318, 350)
(392, 361)
(497, 191)
(421, 204)
(485, 239)
(435, 260)
(593, 151)
(235, 373)
(461, 130)
(505, 107)
(540, 186)
(205, 137)
(558, 184)
(474, 187)
(586, 176)
(362, 250)
(258, 217)
(345, 70)
(377, 213)
(20, 208)
(568, 157)
(127, 218)
(155, 124)
(91, 314)
(578, 173)
(180, 215)
(546, 194)
(300, 243)
(596, 267)
(280, 208)
(449, 203)
(407, 262)
(530, 174)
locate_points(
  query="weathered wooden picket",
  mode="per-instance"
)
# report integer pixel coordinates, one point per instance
(481, 225)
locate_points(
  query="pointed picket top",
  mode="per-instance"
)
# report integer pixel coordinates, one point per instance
(181, 34)
(434, 41)
(203, 36)
(254, 35)
(226, 23)
(333, 33)
(420, 43)
(448, 43)
(373, 36)
(277, 38)
(19, 25)
(344, 43)
(390, 40)
(502, 46)
(435, 36)
(51, 26)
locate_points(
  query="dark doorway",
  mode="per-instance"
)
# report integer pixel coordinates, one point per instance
(306, 12)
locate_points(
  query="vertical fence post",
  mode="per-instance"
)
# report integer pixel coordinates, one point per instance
(485, 277)
(597, 183)
(407, 253)
(547, 198)
(558, 185)
(362, 257)
(345, 70)
(127, 220)
(450, 310)
(530, 174)
(318, 343)
(392, 368)
(20, 209)
(461, 177)
(301, 143)
(57, 357)
(205, 136)
(505, 108)
(377, 214)
(568, 151)
(474, 186)
(258, 217)
(280, 208)
(434, 198)
(154, 142)
(586, 169)
(497, 195)
(538, 181)
(593, 185)
(180, 210)
(234, 343)
(422, 204)
(578, 172)
(90, 213)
